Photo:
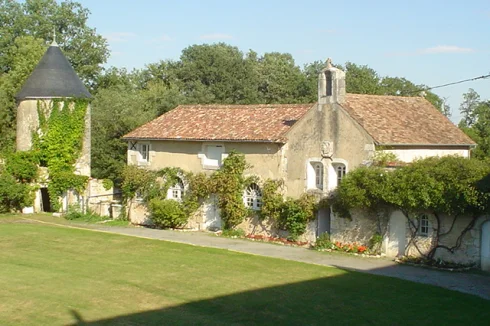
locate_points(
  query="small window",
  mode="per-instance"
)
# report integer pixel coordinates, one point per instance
(423, 229)
(144, 150)
(213, 155)
(318, 167)
(328, 78)
(253, 197)
(340, 170)
(176, 192)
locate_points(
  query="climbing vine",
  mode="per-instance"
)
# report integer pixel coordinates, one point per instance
(59, 144)
(448, 185)
(291, 214)
(228, 184)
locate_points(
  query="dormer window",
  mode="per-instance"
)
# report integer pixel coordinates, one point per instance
(328, 84)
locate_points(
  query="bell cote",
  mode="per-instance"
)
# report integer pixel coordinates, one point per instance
(331, 85)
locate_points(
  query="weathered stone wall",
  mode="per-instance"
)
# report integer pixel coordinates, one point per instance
(100, 200)
(27, 123)
(360, 228)
(470, 250)
(83, 163)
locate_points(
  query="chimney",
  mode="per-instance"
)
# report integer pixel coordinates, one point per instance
(331, 85)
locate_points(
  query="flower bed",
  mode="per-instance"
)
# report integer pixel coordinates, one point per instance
(344, 247)
(434, 264)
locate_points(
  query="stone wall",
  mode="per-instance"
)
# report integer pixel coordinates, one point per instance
(360, 228)
(470, 250)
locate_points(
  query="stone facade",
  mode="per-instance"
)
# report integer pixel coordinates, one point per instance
(402, 238)
(337, 134)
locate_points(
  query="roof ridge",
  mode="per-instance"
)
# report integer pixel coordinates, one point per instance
(238, 106)
(390, 96)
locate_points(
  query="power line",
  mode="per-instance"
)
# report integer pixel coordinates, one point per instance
(459, 82)
(450, 84)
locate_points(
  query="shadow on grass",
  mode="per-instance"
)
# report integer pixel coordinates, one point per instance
(347, 299)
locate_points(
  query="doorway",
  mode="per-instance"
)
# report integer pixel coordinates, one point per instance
(45, 203)
(397, 235)
(323, 221)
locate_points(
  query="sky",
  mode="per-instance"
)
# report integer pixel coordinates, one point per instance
(428, 42)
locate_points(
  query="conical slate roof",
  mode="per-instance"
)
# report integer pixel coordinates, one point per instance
(53, 77)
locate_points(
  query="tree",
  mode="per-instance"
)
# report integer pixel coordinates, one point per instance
(21, 56)
(25, 28)
(476, 122)
(85, 49)
(361, 79)
(448, 185)
(217, 73)
(280, 80)
(115, 112)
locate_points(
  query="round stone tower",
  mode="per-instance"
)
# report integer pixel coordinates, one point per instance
(53, 78)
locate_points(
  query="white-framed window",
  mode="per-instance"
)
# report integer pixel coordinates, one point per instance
(144, 152)
(253, 197)
(340, 170)
(337, 170)
(314, 175)
(176, 192)
(212, 156)
(423, 225)
(318, 167)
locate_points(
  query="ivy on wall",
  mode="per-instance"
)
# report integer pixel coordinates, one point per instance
(58, 144)
(228, 184)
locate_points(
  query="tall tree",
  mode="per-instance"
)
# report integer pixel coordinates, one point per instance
(476, 122)
(280, 80)
(26, 28)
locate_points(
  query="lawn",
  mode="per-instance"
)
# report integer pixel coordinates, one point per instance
(53, 275)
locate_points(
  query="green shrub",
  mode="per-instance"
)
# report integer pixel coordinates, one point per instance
(75, 213)
(13, 194)
(323, 241)
(293, 218)
(22, 166)
(233, 233)
(167, 213)
(375, 242)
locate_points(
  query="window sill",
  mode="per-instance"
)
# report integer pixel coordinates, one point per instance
(211, 167)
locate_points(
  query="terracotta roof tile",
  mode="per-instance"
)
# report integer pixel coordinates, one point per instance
(403, 120)
(262, 122)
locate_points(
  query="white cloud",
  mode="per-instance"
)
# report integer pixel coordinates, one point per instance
(445, 49)
(119, 37)
(216, 36)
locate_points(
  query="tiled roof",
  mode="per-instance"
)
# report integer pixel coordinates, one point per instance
(403, 120)
(267, 123)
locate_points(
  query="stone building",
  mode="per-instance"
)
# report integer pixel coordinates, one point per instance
(53, 79)
(308, 146)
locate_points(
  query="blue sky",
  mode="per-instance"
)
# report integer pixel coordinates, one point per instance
(431, 42)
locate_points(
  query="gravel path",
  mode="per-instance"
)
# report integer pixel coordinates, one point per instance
(464, 282)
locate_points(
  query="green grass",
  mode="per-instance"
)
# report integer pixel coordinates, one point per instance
(53, 275)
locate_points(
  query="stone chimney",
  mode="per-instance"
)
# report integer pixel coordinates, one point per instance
(331, 85)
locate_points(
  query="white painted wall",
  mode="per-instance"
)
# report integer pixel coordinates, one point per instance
(409, 155)
(485, 247)
(395, 242)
